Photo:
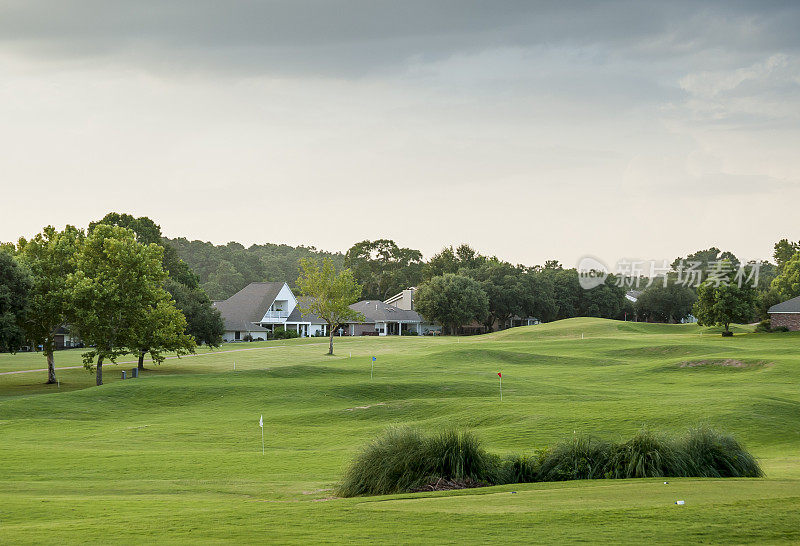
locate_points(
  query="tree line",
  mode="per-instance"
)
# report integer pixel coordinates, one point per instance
(115, 285)
(459, 286)
(223, 270)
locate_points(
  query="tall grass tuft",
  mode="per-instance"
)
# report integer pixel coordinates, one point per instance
(714, 454)
(403, 460)
(580, 458)
(648, 455)
(519, 469)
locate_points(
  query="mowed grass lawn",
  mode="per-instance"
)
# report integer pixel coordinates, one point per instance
(175, 456)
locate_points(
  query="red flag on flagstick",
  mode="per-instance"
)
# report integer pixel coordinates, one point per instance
(500, 375)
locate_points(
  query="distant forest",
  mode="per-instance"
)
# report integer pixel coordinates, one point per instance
(223, 270)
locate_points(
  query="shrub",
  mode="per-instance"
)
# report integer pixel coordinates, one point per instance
(579, 458)
(648, 455)
(403, 460)
(282, 333)
(714, 454)
(764, 326)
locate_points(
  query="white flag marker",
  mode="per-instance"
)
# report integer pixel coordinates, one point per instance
(261, 424)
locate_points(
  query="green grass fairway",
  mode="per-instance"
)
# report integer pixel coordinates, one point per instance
(175, 456)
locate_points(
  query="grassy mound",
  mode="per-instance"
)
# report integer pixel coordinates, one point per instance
(404, 460)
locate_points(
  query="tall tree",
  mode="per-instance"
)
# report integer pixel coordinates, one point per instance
(161, 329)
(116, 282)
(15, 284)
(540, 301)
(452, 300)
(383, 268)
(671, 303)
(787, 284)
(450, 260)
(50, 257)
(705, 259)
(329, 294)
(203, 321)
(148, 232)
(724, 303)
(508, 294)
(784, 250)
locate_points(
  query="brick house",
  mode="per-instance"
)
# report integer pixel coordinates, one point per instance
(786, 314)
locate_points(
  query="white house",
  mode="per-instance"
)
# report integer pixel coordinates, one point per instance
(260, 307)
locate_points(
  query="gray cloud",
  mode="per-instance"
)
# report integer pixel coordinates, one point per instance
(553, 115)
(353, 38)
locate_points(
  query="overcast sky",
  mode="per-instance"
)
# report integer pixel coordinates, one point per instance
(531, 130)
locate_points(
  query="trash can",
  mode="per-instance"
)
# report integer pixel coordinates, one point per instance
(135, 372)
(123, 374)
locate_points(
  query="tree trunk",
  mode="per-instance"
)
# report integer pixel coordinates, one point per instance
(99, 373)
(141, 361)
(51, 367)
(330, 349)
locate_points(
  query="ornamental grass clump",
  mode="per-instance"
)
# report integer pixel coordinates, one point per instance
(403, 460)
(648, 455)
(579, 458)
(714, 454)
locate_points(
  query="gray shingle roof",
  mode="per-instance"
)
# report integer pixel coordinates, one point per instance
(248, 305)
(298, 316)
(377, 311)
(788, 306)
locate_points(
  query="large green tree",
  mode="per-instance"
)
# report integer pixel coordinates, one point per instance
(202, 320)
(705, 259)
(784, 250)
(50, 256)
(383, 268)
(452, 300)
(329, 294)
(787, 284)
(116, 283)
(659, 303)
(450, 260)
(148, 232)
(15, 284)
(724, 303)
(161, 329)
(504, 285)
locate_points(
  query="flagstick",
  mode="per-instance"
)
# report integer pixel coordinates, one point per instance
(371, 370)
(262, 440)
(501, 388)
